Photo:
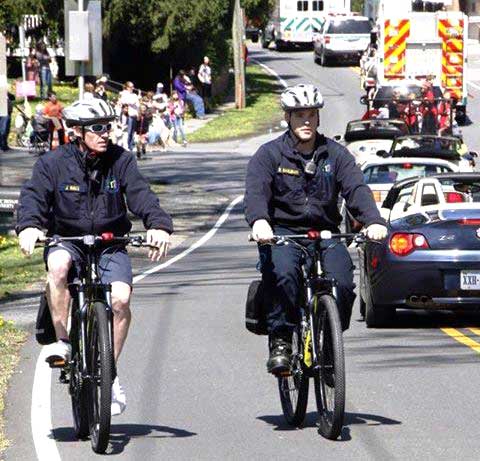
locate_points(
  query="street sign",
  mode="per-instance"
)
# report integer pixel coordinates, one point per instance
(3, 77)
(94, 64)
(78, 36)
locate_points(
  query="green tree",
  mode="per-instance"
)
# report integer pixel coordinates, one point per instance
(357, 5)
(258, 11)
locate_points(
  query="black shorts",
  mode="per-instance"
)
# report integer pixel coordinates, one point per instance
(114, 264)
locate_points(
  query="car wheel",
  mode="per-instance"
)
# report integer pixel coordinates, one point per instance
(376, 316)
(362, 308)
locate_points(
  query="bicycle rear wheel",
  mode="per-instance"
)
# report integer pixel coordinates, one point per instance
(77, 387)
(101, 364)
(294, 387)
(329, 378)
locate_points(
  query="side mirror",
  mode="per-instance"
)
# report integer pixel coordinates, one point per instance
(382, 153)
(364, 100)
(338, 137)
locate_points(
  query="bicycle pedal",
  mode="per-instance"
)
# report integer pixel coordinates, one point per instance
(60, 363)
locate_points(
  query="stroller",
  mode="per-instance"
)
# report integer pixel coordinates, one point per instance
(33, 133)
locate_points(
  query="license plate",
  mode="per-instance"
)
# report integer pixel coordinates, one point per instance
(470, 280)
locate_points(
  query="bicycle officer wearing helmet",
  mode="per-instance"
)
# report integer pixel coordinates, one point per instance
(292, 186)
(85, 188)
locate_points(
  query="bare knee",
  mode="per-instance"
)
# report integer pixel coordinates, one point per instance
(59, 263)
(121, 299)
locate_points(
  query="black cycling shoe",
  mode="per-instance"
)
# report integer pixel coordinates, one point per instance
(279, 359)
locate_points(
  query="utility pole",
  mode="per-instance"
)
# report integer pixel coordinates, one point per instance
(238, 55)
(81, 78)
(21, 33)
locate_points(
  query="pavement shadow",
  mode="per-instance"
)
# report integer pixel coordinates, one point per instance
(122, 434)
(351, 419)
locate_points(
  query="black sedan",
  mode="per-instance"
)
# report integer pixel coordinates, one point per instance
(431, 258)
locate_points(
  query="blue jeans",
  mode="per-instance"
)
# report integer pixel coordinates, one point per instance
(178, 128)
(197, 102)
(4, 130)
(132, 125)
(45, 82)
(282, 276)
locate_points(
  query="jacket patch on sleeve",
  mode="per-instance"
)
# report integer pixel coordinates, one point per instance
(289, 171)
(65, 187)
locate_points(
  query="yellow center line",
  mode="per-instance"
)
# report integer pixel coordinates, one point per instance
(461, 338)
(475, 331)
(356, 69)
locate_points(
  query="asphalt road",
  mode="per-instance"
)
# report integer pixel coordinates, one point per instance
(195, 378)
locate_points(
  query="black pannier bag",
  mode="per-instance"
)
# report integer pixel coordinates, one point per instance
(255, 313)
(44, 330)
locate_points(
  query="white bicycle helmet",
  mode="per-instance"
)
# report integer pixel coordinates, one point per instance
(301, 97)
(87, 112)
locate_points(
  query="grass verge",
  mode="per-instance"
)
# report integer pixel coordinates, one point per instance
(17, 271)
(262, 111)
(11, 340)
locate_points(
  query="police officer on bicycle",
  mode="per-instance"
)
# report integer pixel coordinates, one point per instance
(84, 188)
(292, 185)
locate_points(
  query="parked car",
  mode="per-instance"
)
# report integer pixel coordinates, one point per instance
(341, 36)
(431, 257)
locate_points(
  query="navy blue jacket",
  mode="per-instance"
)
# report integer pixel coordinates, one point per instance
(62, 198)
(278, 189)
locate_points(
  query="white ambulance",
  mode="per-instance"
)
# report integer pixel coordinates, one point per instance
(293, 22)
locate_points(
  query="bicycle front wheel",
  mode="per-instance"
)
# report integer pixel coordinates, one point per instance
(293, 388)
(78, 388)
(329, 377)
(101, 365)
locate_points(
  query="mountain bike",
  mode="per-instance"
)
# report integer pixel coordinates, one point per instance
(91, 369)
(317, 341)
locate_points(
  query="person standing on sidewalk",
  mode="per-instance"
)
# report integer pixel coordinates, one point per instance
(132, 100)
(5, 122)
(177, 110)
(44, 60)
(205, 78)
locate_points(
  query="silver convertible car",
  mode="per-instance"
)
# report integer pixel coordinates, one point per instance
(431, 258)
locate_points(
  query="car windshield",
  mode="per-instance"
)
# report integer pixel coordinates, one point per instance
(375, 129)
(385, 93)
(387, 174)
(350, 26)
(426, 145)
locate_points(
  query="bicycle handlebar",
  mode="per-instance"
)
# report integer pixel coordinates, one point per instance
(90, 240)
(315, 235)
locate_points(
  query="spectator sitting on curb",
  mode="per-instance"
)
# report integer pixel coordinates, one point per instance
(205, 78)
(176, 108)
(53, 110)
(187, 94)
(160, 103)
(89, 91)
(100, 91)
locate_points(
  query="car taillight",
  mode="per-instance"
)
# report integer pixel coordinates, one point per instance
(454, 197)
(407, 166)
(108, 236)
(469, 222)
(402, 244)
(327, 39)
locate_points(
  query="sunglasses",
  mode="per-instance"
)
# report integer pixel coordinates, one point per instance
(99, 127)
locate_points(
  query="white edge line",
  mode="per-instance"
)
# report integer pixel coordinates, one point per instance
(271, 71)
(41, 416)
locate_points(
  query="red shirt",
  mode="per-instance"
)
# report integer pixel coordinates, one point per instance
(53, 109)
